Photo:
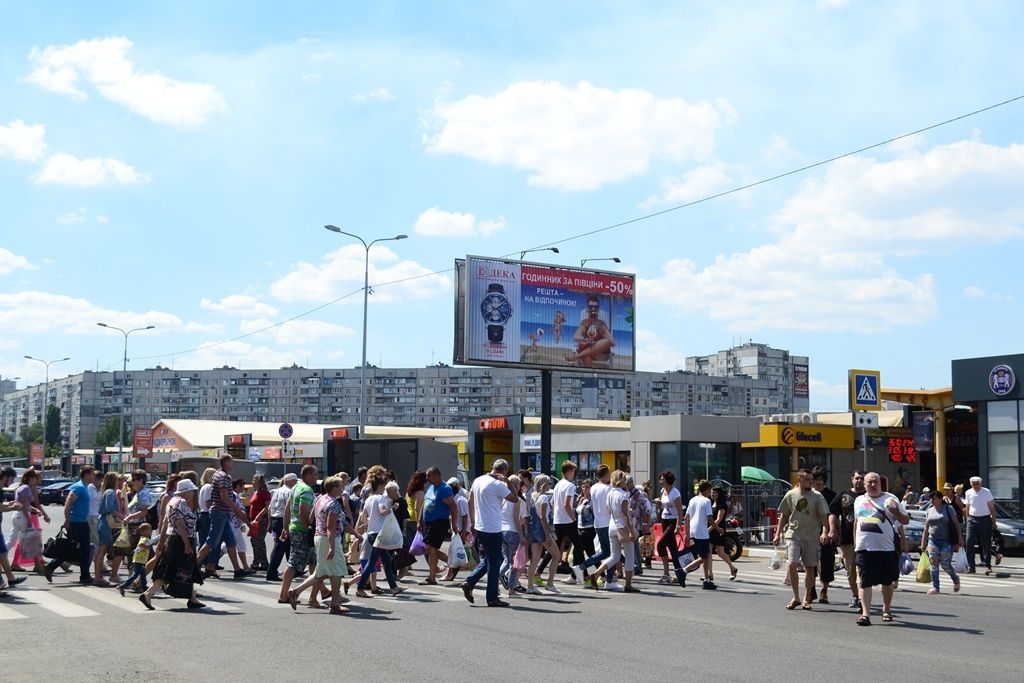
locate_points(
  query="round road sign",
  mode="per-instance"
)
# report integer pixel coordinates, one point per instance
(285, 431)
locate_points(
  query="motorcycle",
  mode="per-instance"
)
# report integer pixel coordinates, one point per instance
(733, 538)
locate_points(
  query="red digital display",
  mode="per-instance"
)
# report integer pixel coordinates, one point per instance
(902, 450)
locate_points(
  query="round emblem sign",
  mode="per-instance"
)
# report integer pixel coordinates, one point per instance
(1002, 380)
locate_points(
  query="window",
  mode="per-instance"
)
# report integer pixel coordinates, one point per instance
(1002, 416)
(1002, 449)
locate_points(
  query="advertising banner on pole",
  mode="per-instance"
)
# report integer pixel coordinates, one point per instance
(142, 442)
(513, 313)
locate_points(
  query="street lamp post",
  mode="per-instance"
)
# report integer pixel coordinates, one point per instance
(616, 259)
(124, 384)
(46, 397)
(530, 251)
(366, 303)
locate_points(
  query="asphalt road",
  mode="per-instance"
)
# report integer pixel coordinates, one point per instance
(740, 632)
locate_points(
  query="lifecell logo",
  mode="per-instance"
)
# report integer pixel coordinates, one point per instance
(789, 436)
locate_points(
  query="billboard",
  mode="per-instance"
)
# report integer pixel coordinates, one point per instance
(516, 313)
(801, 382)
(142, 442)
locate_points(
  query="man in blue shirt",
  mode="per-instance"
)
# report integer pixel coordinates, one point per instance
(76, 521)
(440, 513)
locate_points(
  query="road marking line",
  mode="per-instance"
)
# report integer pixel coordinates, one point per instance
(242, 596)
(129, 603)
(59, 606)
(6, 613)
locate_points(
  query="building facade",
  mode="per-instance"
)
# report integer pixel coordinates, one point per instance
(787, 372)
(434, 396)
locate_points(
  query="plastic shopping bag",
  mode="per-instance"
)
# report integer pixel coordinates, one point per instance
(418, 545)
(519, 561)
(906, 564)
(776, 560)
(961, 560)
(924, 569)
(457, 553)
(685, 559)
(390, 536)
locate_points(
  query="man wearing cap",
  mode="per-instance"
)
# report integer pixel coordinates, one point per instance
(981, 517)
(925, 497)
(439, 514)
(279, 500)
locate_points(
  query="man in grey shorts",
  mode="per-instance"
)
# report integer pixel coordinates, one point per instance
(804, 520)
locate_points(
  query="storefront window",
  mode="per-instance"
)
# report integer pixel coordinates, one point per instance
(1002, 450)
(666, 457)
(1002, 416)
(1004, 482)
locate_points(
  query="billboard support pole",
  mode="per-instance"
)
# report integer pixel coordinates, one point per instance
(545, 422)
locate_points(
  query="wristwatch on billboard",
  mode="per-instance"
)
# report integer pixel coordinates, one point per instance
(496, 310)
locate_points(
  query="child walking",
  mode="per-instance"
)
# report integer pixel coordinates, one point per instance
(139, 559)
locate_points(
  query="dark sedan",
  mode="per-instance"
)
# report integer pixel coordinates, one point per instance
(55, 492)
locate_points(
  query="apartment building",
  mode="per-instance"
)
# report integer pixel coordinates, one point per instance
(434, 396)
(789, 374)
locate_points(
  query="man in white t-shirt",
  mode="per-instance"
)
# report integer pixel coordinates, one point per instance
(563, 503)
(485, 499)
(875, 515)
(602, 518)
(700, 516)
(981, 518)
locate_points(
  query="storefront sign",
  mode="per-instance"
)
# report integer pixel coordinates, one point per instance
(341, 433)
(236, 440)
(488, 424)
(142, 442)
(272, 453)
(992, 378)
(530, 442)
(803, 436)
(1002, 380)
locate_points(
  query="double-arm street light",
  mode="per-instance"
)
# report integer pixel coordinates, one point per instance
(366, 301)
(585, 261)
(46, 395)
(530, 251)
(124, 385)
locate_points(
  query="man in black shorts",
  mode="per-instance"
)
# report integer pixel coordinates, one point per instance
(439, 515)
(875, 540)
(841, 530)
(827, 562)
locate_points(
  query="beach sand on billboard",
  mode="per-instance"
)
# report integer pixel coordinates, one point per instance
(556, 356)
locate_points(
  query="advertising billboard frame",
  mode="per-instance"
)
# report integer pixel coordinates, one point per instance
(464, 301)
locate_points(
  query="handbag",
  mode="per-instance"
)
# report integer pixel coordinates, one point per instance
(123, 540)
(390, 536)
(60, 547)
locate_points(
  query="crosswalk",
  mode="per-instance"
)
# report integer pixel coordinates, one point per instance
(40, 601)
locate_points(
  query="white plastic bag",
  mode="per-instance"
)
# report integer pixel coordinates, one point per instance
(457, 553)
(776, 560)
(961, 560)
(390, 536)
(685, 559)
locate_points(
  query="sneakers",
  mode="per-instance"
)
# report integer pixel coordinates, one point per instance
(533, 590)
(665, 580)
(537, 581)
(569, 581)
(709, 586)
(552, 588)
(680, 578)
(614, 587)
(578, 572)
(854, 603)
(933, 591)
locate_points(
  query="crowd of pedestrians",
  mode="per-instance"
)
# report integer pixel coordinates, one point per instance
(508, 529)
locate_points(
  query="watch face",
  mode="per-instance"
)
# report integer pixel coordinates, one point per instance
(496, 308)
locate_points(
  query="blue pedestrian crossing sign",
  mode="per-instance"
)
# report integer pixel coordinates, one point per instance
(865, 390)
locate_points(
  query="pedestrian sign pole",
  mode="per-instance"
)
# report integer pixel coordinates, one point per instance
(865, 387)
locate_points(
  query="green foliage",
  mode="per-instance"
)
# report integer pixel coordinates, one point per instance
(32, 433)
(52, 426)
(107, 434)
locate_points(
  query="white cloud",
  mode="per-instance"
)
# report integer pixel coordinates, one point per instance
(239, 354)
(8, 345)
(973, 292)
(830, 267)
(239, 304)
(33, 311)
(579, 138)
(23, 142)
(296, 332)
(10, 262)
(104, 63)
(64, 169)
(655, 355)
(72, 217)
(322, 56)
(101, 219)
(438, 222)
(827, 396)
(375, 95)
(340, 272)
(311, 78)
(699, 182)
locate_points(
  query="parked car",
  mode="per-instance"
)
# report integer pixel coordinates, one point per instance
(55, 492)
(9, 490)
(1010, 528)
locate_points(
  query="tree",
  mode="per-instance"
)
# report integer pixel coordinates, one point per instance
(107, 434)
(53, 426)
(32, 433)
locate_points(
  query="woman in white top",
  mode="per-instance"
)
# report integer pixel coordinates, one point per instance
(376, 510)
(513, 532)
(671, 512)
(621, 535)
(542, 534)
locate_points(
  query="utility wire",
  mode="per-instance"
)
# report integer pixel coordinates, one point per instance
(613, 226)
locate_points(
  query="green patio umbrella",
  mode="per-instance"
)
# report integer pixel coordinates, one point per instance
(754, 475)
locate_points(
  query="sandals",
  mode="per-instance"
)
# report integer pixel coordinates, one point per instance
(823, 599)
(793, 604)
(886, 616)
(427, 582)
(732, 573)
(863, 621)
(338, 609)
(806, 606)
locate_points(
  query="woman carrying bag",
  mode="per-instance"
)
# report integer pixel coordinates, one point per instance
(379, 513)
(177, 568)
(942, 538)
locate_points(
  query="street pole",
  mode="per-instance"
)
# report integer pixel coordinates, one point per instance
(864, 446)
(366, 305)
(46, 397)
(124, 385)
(707, 458)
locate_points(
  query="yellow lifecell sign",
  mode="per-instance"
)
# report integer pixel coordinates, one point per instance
(803, 436)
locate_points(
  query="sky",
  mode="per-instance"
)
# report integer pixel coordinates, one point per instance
(173, 164)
